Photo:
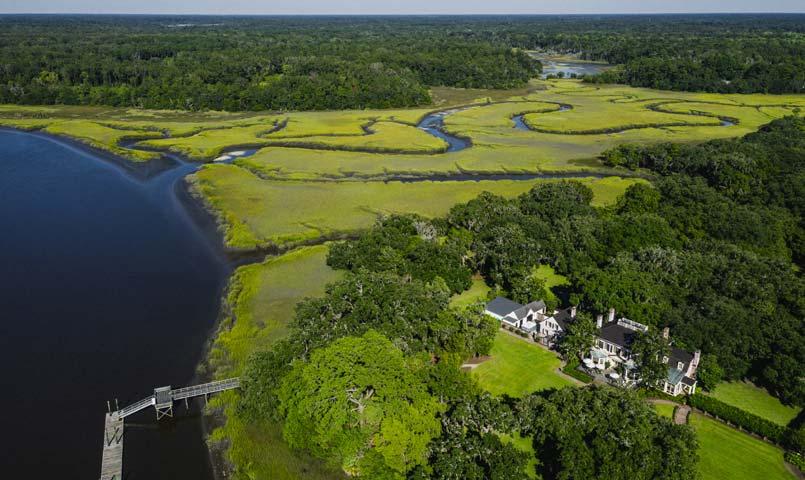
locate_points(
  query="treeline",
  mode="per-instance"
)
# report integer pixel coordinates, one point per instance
(244, 63)
(315, 63)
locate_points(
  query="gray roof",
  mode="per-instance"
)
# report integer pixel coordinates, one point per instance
(522, 312)
(502, 306)
(617, 334)
(678, 355)
(676, 375)
(563, 318)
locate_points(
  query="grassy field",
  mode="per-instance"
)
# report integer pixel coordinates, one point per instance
(476, 293)
(726, 453)
(324, 144)
(260, 302)
(260, 213)
(755, 400)
(518, 367)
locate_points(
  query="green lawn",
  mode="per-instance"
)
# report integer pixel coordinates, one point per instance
(665, 410)
(726, 453)
(755, 400)
(551, 278)
(476, 293)
(518, 368)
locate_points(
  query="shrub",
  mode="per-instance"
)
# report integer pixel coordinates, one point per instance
(795, 459)
(572, 369)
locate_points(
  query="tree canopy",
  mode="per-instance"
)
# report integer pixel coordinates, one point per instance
(360, 402)
(606, 433)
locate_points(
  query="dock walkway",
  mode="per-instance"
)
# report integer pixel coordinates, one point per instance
(162, 401)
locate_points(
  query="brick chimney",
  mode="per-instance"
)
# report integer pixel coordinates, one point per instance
(666, 333)
(572, 312)
(611, 315)
(599, 320)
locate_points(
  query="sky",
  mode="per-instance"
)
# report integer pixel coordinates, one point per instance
(368, 7)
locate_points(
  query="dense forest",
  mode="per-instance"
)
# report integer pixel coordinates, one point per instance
(244, 63)
(368, 377)
(317, 63)
(713, 53)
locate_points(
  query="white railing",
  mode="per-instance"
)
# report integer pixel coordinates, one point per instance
(135, 407)
(180, 394)
(205, 389)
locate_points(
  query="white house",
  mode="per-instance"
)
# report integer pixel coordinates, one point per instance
(612, 353)
(532, 319)
(682, 368)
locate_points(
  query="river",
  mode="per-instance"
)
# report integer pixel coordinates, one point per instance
(110, 287)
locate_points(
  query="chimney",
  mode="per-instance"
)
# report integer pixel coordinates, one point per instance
(611, 315)
(572, 312)
(694, 364)
(666, 333)
(599, 320)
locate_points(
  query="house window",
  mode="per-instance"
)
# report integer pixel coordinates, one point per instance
(679, 365)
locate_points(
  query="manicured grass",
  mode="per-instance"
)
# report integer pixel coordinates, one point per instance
(476, 293)
(726, 453)
(665, 410)
(260, 302)
(518, 368)
(258, 213)
(755, 400)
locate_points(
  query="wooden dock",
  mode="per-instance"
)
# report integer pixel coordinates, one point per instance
(162, 401)
(112, 462)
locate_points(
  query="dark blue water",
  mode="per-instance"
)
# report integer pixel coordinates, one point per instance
(434, 125)
(108, 288)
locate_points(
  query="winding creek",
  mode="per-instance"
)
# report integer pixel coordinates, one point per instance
(434, 125)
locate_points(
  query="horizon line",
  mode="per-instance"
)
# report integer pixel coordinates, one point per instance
(407, 14)
(518, 14)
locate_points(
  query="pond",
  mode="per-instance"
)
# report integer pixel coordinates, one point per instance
(570, 67)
